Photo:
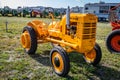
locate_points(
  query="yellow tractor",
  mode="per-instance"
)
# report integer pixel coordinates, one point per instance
(75, 32)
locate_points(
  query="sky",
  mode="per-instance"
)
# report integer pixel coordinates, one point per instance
(50, 3)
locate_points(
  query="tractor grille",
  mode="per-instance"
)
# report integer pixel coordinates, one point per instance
(89, 30)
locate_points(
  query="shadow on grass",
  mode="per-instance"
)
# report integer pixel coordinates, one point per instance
(80, 67)
(106, 73)
(99, 72)
(42, 58)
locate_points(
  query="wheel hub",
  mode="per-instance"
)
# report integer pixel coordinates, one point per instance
(119, 42)
(90, 56)
(57, 62)
(115, 43)
(25, 40)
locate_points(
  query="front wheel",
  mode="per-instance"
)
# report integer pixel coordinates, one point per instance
(59, 61)
(94, 56)
(29, 40)
(113, 41)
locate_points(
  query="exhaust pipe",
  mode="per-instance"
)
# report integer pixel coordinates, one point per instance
(68, 17)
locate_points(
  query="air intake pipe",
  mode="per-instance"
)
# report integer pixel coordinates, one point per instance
(68, 17)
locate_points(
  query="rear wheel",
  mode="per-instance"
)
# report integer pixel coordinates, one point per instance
(113, 41)
(24, 15)
(2, 14)
(59, 61)
(94, 56)
(29, 40)
(31, 14)
(40, 15)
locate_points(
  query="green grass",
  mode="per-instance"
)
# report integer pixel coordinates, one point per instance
(16, 65)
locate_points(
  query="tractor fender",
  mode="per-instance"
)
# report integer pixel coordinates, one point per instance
(40, 27)
(115, 25)
(115, 28)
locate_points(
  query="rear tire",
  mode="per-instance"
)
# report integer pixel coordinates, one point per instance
(98, 55)
(33, 40)
(31, 14)
(94, 56)
(24, 15)
(113, 41)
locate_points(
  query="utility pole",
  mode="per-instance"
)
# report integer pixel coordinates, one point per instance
(6, 23)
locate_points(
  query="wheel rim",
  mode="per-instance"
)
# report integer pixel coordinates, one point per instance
(57, 62)
(25, 40)
(115, 43)
(90, 56)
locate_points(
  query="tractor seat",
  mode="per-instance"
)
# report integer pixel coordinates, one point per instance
(55, 26)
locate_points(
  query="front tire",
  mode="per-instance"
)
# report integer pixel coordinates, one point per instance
(29, 40)
(60, 61)
(113, 41)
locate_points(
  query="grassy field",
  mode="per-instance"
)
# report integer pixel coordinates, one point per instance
(16, 65)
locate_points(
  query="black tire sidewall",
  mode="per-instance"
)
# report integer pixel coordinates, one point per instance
(65, 58)
(33, 38)
(98, 55)
(109, 38)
